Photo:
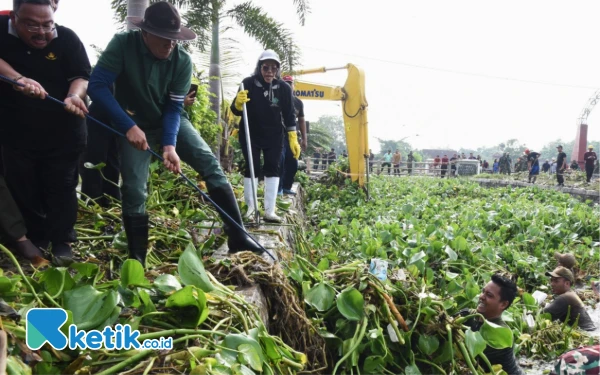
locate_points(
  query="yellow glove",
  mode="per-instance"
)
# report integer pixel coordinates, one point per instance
(240, 99)
(294, 145)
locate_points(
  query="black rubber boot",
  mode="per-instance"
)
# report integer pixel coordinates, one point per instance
(237, 239)
(62, 254)
(136, 228)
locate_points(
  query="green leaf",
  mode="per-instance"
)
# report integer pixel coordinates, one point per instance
(191, 270)
(351, 304)
(323, 264)
(474, 342)
(321, 296)
(128, 297)
(146, 301)
(472, 290)
(407, 208)
(85, 269)
(428, 344)
(90, 307)
(56, 280)
(460, 243)
(5, 285)
(373, 364)
(417, 257)
(528, 300)
(132, 273)
(232, 343)
(167, 284)
(270, 347)
(250, 356)
(446, 354)
(190, 304)
(451, 253)
(412, 370)
(496, 336)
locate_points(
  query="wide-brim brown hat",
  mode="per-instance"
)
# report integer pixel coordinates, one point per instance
(162, 19)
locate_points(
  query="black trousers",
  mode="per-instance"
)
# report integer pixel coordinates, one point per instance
(444, 170)
(386, 164)
(289, 167)
(102, 148)
(271, 157)
(12, 226)
(589, 171)
(43, 185)
(560, 176)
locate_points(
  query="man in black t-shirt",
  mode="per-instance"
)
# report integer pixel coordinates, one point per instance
(561, 165)
(453, 160)
(41, 141)
(590, 158)
(546, 166)
(289, 165)
(495, 298)
(533, 164)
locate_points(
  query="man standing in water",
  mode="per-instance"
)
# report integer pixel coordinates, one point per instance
(496, 296)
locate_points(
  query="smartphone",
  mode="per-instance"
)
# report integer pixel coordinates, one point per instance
(193, 88)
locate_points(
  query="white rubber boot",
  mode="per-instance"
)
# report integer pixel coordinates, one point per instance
(248, 197)
(271, 187)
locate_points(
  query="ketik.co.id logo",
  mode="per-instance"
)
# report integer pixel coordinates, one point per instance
(43, 326)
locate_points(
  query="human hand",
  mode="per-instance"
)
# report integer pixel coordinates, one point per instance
(189, 99)
(240, 99)
(304, 144)
(171, 159)
(294, 146)
(137, 138)
(75, 105)
(31, 88)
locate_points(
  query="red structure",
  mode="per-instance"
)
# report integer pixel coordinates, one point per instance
(580, 146)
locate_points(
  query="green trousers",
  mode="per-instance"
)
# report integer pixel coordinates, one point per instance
(12, 226)
(191, 148)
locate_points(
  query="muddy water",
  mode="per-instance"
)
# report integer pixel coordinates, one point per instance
(543, 367)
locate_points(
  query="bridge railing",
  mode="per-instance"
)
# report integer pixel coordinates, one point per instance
(463, 167)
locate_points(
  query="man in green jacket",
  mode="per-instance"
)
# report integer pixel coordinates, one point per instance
(152, 73)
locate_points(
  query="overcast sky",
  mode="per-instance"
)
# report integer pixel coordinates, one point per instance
(458, 73)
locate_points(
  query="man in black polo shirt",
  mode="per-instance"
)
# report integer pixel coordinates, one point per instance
(41, 141)
(590, 158)
(561, 166)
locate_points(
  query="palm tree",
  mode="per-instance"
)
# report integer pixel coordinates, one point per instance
(205, 16)
(320, 137)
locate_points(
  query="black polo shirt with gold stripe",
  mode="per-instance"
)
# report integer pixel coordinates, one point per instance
(41, 124)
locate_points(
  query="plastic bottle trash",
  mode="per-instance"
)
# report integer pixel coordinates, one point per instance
(379, 268)
(539, 296)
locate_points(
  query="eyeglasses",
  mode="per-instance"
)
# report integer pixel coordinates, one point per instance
(270, 68)
(37, 29)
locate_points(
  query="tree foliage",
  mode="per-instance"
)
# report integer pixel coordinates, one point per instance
(334, 125)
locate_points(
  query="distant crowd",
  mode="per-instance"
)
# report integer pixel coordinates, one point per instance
(322, 158)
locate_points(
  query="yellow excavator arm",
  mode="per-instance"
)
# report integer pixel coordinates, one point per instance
(354, 105)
